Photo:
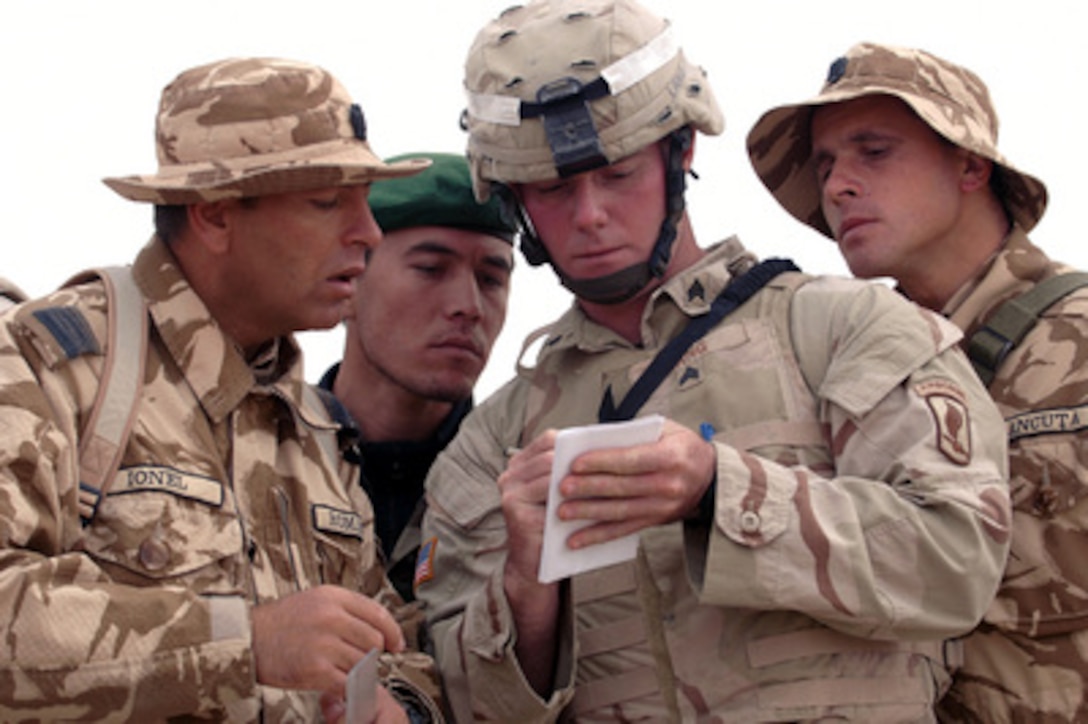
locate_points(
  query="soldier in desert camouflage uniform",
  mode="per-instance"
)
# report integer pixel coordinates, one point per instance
(10, 294)
(827, 502)
(228, 573)
(896, 160)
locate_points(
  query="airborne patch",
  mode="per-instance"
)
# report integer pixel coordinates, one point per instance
(425, 562)
(953, 421)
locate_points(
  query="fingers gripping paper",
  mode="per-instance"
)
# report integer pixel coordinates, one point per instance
(557, 560)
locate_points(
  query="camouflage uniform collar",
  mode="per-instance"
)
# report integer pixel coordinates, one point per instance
(694, 289)
(1016, 266)
(184, 324)
(11, 292)
(691, 291)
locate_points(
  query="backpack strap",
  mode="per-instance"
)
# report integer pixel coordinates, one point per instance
(342, 443)
(992, 343)
(114, 410)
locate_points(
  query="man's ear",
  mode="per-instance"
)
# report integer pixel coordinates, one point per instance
(976, 172)
(211, 223)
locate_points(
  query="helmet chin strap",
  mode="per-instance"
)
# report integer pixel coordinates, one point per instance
(622, 285)
(612, 288)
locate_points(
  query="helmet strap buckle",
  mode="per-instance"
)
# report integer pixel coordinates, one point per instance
(569, 127)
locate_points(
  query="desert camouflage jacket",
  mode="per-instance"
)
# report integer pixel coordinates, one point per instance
(225, 499)
(861, 516)
(1028, 661)
(9, 294)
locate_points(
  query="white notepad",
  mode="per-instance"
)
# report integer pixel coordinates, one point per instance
(362, 690)
(557, 560)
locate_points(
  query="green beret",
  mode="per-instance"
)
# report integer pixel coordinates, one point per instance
(440, 195)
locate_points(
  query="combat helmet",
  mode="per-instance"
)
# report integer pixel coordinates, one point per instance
(558, 87)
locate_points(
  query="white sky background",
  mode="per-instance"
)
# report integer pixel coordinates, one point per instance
(81, 84)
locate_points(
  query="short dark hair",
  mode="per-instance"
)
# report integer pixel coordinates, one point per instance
(999, 185)
(170, 221)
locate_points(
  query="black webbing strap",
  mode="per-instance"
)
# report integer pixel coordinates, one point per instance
(736, 293)
(990, 345)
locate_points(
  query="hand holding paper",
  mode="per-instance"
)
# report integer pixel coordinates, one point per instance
(557, 560)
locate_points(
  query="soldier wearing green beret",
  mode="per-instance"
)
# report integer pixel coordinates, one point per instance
(424, 317)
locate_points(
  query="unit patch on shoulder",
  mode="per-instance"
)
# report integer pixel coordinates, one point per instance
(425, 562)
(70, 329)
(953, 422)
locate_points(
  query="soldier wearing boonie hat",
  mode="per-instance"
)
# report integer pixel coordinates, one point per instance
(827, 471)
(427, 312)
(221, 546)
(830, 161)
(951, 100)
(254, 127)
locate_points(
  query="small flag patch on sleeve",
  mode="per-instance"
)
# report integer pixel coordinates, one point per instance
(425, 562)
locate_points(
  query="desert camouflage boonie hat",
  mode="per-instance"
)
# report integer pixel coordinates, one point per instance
(952, 100)
(558, 86)
(253, 127)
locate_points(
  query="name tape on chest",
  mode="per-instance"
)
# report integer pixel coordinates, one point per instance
(1048, 422)
(157, 479)
(153, 478)
(335, 520)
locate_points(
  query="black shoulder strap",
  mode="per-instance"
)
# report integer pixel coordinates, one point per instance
(736, 293)
(991, 344)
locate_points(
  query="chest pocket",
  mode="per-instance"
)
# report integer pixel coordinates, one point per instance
(732, 374)
(740, 385)
(161, 525)
(346, 552)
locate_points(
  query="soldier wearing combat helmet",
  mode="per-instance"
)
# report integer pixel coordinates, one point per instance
(826, 504)
(896, 160)
(219, 568)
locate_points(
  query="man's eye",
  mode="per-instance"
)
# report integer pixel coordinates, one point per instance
(548, 188)
(326, 204)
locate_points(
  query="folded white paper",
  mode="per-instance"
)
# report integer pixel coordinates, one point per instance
(557, 560)
(362, 689)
